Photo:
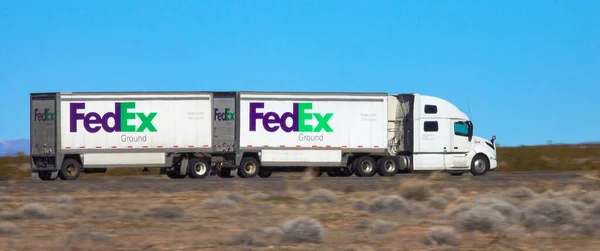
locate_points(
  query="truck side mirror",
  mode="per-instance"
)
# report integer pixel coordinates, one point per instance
(470, 126)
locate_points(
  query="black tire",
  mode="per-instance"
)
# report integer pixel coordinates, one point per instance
(387, 166)
(480, 165)
(198, 168)
(175, 174)
(364, 166)
(224, 173)
(264, 174)
(249, 168)
(70, 169)
(347, 172)
(46, 175)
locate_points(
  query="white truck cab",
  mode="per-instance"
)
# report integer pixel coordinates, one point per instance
(433, 134)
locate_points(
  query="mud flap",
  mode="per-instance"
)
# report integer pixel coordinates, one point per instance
(184, 166)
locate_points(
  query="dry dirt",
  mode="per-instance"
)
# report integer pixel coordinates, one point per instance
(408, 213)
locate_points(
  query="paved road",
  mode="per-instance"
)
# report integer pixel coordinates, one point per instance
(281, 181)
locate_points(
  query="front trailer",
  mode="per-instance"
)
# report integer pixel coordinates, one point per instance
(90, 132)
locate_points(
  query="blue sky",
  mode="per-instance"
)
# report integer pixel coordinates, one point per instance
(530, 69)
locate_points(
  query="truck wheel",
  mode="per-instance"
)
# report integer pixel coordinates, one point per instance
(198, 168)
(249, 167)
(480, 165)
(46, 175)
(175, 174)
(387, 166)
(70, 170)
(264, 174)
(364, 166)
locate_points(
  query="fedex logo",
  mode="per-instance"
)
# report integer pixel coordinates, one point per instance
(45, 115)
(93, 121)
(299, 115)
(224, 116)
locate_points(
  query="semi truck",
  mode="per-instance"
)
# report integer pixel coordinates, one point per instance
(248, 134)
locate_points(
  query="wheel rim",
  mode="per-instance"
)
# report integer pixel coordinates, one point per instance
(249, 168)
(366, 166)
(200, 168)
(71, 170)
(389, 166)
(480, 165)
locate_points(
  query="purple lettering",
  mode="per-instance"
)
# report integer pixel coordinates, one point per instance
(271, 118)
(92, 121)
(116, 116)
(293, 116)
(271, 121)
(255, 115)
(75, 115)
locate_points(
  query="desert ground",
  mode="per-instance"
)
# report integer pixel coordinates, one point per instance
(499, 211)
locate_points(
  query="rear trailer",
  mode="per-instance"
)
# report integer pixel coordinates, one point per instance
(89, 132)
(278, 131)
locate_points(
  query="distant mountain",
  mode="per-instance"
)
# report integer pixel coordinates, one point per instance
(13, 146)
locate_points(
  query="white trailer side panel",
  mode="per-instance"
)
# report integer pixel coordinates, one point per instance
(136, 121)
(313, 120)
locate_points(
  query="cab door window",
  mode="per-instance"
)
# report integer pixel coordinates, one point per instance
(461, 129)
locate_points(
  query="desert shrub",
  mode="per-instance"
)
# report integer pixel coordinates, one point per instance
(594, 210)
(243, 239)
(321, 196)
(259, 196)
(580, 206)
(217, 203)
(302, 229)
(361, 205)
(415, 190)
(481, 218)
(590, 197)
(8, 228)
(237, 197)
(168, 212)
(363, 224)
(419, 209)
(382, 226)
(557, 211)
(34, 210)
(437, 202)
(64, 199)
(265, 206)
(462, 200)
(520, 193)
(88, 236)
(507, 209)
(389, 204)
(272, 232)
(577, 229)
(442, 235)
(451, 193)
(349, 189)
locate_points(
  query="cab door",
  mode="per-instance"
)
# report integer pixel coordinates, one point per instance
(461, 143)
(434, 144)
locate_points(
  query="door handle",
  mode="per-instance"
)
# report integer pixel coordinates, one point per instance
(456, 147)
